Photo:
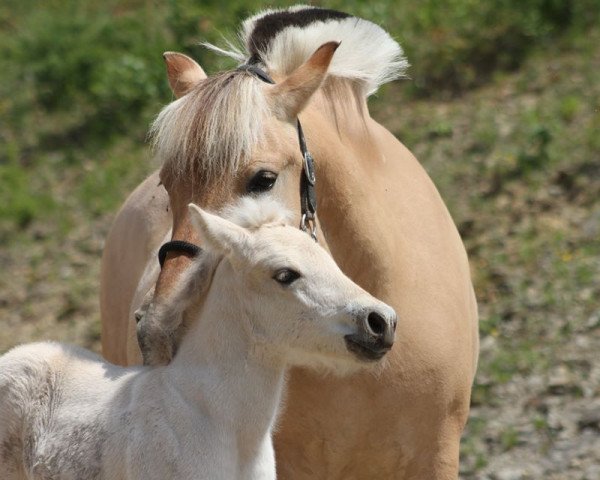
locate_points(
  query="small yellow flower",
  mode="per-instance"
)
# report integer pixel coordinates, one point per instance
(566, 256)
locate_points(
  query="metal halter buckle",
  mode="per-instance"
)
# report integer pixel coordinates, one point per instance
(309, 168)
(308, 223)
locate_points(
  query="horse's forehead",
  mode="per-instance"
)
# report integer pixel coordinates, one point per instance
(273, 156)
(279, 141)
(277, 150)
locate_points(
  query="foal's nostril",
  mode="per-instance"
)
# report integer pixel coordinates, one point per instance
(376, 324)
(374, 336)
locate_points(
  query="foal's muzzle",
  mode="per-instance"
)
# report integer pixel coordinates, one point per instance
(375, 336)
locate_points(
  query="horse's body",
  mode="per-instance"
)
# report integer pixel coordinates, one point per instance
(384, 224)
(67, 414)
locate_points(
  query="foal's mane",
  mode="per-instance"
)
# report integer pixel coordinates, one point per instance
(211, 131)
(254, 213)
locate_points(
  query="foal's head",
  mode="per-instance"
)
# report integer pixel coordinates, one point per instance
(297, 301)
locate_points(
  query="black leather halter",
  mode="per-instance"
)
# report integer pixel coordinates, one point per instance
(308, 195)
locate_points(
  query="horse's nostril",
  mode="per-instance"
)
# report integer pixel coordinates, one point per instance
(376, 323)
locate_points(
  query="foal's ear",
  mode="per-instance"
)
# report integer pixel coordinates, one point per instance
(183, 72)
(290, 96)
(218, 234)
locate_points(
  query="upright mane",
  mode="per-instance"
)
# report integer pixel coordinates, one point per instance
(213, 128)
(284, 39)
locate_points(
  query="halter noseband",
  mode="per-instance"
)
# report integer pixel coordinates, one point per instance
(308, 195)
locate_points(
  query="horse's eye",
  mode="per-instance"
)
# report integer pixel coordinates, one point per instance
(286, 276)
(262, 181)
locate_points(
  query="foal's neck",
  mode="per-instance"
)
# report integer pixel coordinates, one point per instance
(218, 371)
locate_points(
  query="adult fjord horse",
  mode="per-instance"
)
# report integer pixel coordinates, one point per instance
(379, 215)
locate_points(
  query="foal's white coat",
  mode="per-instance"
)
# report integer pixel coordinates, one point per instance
(67, 414)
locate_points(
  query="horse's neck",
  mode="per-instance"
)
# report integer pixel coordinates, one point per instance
(346, 185)
(216, 371)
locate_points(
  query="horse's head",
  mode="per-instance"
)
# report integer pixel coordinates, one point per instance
(232, 134)
(296, 302)
(225, 137)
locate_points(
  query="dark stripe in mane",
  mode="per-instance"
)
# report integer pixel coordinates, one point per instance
(266, 28)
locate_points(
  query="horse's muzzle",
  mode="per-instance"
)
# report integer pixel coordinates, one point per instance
(375, 336)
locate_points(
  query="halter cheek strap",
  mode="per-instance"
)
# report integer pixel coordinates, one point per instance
(308, 194)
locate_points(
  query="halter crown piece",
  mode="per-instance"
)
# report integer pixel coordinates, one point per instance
(308, 194)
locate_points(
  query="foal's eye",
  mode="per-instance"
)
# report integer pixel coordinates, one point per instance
(262, 181)
(285, 276)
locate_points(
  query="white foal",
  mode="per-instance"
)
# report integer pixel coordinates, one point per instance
(275, 299)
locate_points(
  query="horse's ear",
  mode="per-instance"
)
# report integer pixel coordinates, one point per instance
(290, 96)
(217, 233)
(183, 72)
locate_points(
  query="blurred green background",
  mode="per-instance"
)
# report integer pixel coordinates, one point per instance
(502, 107)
